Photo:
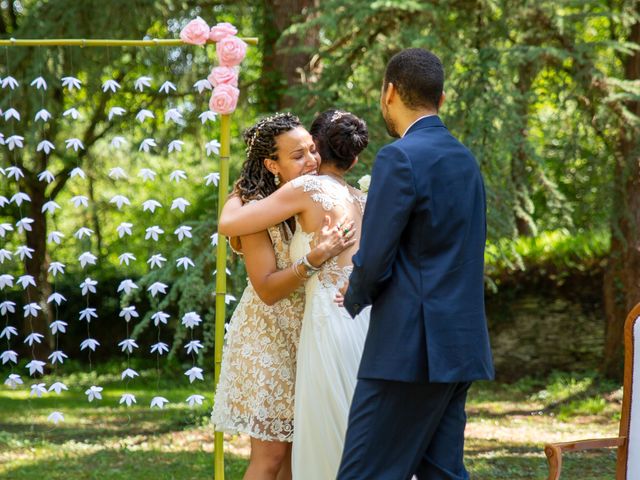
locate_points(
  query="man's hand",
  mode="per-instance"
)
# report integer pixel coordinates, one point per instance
(339, 299)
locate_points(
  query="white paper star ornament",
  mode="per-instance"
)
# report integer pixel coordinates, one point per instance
(124, 229)
(80, 201)
(142, 82)
(202, 85)
(50, 207)
(160, 348)
(58, 387)
(9, 356)
(56, 417)
(166, 87)
(180, 204)
(156, 260)
(46, 176)
(87, 258)
(110, 85)
(195, 399)
(159, 402)
(39, 83)
(11, 113)
(58, 326)
(20, 197)
(15, 172)
(143, 114)
(72, 112)
(117, 173)
(146, 145)
(33, 338)
(194, 373)
(129, 373)
(55, 237)
(57, 357)
(35, 366)
(89, 343)
(13, 380)
(157, 287)
(159, 317)
(74, 143)
(151, 205)
(116, 111)
(42, 115)
(93, 393)
(128, 399)
(10, 82)
(173, 115)
(38, 390)
(45, 146)
(120, 200)
(71, 83)
(126, 258)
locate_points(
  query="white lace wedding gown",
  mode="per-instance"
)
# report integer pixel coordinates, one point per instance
(330, 347)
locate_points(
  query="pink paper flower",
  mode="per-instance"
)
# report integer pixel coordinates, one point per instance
(231, 51)
(221, 31)
(224, 76)
(196, 32)
(224, 99)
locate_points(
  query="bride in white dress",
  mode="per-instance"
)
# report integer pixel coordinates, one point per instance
(331, 342)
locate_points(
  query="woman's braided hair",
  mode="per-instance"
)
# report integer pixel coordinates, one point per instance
(256, 182)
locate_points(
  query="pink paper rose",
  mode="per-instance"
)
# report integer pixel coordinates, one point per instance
(224, 76)
(196, 32)
(231, 51)
(221, 31)
(224, 99)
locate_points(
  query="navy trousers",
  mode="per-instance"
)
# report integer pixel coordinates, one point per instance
(399, 429)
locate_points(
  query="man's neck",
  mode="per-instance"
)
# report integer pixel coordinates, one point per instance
(412, 116)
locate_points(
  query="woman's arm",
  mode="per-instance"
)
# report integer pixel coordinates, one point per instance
(237, 219)
(272, 284)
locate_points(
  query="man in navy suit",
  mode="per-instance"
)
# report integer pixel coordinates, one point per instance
(421, 267)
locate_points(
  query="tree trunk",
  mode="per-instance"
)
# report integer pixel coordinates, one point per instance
(520, 177)
(622, 278)
(283, 66)
(37, 267)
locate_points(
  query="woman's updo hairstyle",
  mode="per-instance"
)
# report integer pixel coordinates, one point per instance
(339, 137)
(256, 181)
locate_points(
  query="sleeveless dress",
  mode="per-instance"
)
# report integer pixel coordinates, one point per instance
(330, 348)
(256, 388)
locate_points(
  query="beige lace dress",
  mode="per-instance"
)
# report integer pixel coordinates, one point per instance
(255, 394)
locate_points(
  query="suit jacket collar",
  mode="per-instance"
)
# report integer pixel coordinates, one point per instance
(426, 122)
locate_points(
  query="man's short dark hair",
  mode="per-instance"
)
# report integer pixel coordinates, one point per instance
(418, 75)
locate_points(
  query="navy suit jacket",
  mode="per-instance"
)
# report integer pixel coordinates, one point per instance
(421, 262)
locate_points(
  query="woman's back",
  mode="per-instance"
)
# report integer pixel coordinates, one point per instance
(331, 341)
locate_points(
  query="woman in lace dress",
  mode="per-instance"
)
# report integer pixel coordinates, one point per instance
(331, 342)
(256, 388)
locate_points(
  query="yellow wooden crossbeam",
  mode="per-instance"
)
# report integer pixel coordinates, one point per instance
(82, 42)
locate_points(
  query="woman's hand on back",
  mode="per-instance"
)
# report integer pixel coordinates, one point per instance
(332, 240)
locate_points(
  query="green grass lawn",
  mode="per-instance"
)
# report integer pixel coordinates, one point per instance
(508, 425)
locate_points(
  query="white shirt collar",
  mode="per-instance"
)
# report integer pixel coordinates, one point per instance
(416, 121)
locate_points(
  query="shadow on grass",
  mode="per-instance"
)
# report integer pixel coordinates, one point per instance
(597, 465)
(124, 463)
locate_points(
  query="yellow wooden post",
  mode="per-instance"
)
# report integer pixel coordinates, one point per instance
(221, 282)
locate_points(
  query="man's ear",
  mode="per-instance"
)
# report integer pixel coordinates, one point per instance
(389, 94)
(441, 101)
(271, 165)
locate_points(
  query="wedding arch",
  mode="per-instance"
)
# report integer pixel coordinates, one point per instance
(222, 82)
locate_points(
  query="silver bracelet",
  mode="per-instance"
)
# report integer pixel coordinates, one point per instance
(307, 263)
